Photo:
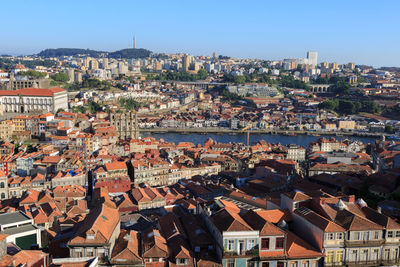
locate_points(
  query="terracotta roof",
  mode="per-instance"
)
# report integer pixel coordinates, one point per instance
(319, 221)
(353, 222)
(115, 165)
(32, 92)
(127, 247)
(298, 248)
(100, 223)
(229, 220)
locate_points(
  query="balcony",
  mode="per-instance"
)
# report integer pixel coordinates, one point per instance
(363, 243)
(334, 264)
(371, 263)
(243, 254)
(363, 263)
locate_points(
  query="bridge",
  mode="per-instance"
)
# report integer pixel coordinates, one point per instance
(321, 88)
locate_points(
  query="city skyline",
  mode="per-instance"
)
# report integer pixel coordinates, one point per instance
(341, 32)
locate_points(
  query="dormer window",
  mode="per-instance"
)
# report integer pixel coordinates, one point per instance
(181, 261)
(90, 236)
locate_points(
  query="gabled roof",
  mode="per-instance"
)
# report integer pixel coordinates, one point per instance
(297, 248)
(381, 219)
(100, 222)
(258, 223)
(127, 247)
(353, 222)
(297, 196)
(275, 216)
(229, 220)
(319, 221)
(154, 244)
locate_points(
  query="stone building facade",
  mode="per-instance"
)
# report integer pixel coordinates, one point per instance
(125, 124)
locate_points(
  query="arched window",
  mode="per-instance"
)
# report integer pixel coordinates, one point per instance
(3, 196)
(2, 185)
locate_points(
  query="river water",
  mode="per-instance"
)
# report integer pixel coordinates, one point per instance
(196, 138)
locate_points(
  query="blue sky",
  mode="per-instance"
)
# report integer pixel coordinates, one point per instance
(365, 32)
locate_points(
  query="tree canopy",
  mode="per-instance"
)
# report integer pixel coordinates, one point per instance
(248, 78)
(129, 103)
(124, 53)
(289, 81)
(179, 76)
(350, 107)
(130, 53)
(60, 52)
(33, 74)
(60, 77)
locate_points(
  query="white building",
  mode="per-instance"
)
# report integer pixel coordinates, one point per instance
(33, 99)
(312, 57)
(20, 229)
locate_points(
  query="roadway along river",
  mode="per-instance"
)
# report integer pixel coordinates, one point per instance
(302, 140)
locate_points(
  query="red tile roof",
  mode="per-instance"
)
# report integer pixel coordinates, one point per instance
(32, 92)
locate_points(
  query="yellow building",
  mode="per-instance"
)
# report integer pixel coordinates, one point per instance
(19, 123)
(334, 65)
(330, 126)
(325, 65)
(6, 129)
(349, 125)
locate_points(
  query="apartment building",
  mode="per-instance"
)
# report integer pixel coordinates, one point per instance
(251, 239)
(348, 232)
(97, 234)
(296, 153)
(33, 100)
(154, 172)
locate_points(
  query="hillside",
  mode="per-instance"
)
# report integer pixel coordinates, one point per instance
(130, 53)
(124, 53)
(59, 52)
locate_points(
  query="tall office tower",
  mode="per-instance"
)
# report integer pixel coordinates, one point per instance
(93, 64)
(186, 63)
(104, 63)
(334, 65)
(351, 65)
(312, 58)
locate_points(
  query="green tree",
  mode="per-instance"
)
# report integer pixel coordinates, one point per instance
(341, 87)
(329, 104)
(33, 74)
(202, 74)
(79, 109)
(60, 77)
(347, 107)
(370, 106)
(129, 103)
(389, 128)
(93, 107)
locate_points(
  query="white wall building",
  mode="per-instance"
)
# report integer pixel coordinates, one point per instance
(33, 99)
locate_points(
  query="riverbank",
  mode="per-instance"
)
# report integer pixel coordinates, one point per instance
(200, 138)
(272, 132)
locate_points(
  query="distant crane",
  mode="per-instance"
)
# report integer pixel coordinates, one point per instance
(248, 132)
